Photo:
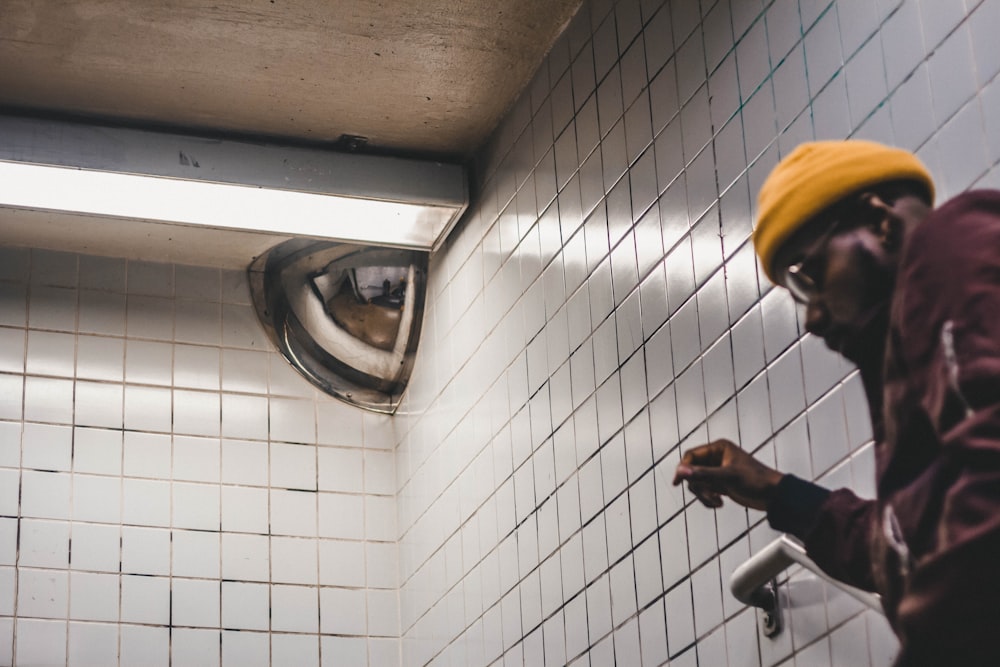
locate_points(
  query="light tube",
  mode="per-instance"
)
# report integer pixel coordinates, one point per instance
(222, 206)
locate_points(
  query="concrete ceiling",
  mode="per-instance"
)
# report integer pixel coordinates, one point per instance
(430, 77)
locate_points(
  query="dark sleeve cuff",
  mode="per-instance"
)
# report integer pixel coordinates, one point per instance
(795, 506)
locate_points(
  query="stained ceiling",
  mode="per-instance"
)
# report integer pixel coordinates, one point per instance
(428, 77)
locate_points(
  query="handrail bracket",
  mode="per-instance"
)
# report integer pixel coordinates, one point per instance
(755, 582)
(768, 609)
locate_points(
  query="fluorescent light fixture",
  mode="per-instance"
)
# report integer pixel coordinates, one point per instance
(288, 191)
(222, 206)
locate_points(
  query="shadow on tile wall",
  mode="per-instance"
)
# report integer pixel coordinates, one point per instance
(601, 309)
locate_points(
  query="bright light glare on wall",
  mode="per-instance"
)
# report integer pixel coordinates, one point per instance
(218, 205)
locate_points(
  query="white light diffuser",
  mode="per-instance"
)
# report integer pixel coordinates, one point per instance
(265, 189)
(220, 205)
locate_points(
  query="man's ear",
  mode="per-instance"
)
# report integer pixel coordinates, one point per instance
(890, 232)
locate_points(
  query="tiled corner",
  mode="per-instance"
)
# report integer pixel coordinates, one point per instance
(679, 338)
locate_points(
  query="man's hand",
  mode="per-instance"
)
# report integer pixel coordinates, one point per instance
(720, 468)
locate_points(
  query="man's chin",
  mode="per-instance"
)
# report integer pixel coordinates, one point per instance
(845, 348)
(838, 343)
(859, 348)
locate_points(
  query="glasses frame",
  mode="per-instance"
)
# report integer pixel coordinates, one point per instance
(798, 282)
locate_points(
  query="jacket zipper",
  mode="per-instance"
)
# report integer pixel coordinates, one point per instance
(951, 361)
(894, 537)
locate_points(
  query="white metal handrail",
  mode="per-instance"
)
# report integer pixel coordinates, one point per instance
(751, 583)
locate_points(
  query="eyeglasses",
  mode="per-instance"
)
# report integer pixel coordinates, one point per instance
(796, 278)
(852, 213)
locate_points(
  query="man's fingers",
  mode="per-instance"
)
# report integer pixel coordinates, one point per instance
(714, 501)
(721, 469)
(705, 496)
(710, 498)
(707, 484)
(704, 470)
(709, 476)
(690, 456)
(711, 453)
(705, 455)
(683, 472)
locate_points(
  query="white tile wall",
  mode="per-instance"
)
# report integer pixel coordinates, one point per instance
(164, 496)
(600, 309)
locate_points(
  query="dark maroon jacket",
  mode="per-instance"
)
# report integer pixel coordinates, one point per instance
(930, 543)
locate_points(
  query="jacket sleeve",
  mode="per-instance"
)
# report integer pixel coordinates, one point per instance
(833, 525)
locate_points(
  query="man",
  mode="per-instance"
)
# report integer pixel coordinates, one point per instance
(911, 295)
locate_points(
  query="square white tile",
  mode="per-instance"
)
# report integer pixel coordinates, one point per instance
(244, 371)
(145, 550)
(245, 606)
(102, 313)
(50, 353)
(97, 451)
(196, 459)
(244, 509)
(342, 469)
(97, 498)
(92, 644)
(294, 650)
(144, 646)
(197, 367)
(342, 563)
(245, 649)
(195, 554)
(293, 513)
(46, 447)
(245, 557)
(195, 602)
(96, 547)
(293, 420)
(195, 647)
(53, 308)
(51, 400)
(341, 516)
(196, 506)
(294, 609)
(41, 642)
(197, 413)
(98, 404)
(148, 362)
(293, 466)
(244, 462)
(44, 495)
(198, 322)
(42, 593)
(145, 502)
(244, 417)
(146, 454)
(149, 317)
(94, 597)
(100, 358)
(294, 560)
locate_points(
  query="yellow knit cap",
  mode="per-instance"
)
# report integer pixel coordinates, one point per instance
(818, 174)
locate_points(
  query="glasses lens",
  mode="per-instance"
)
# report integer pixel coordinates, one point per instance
(799, 284)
